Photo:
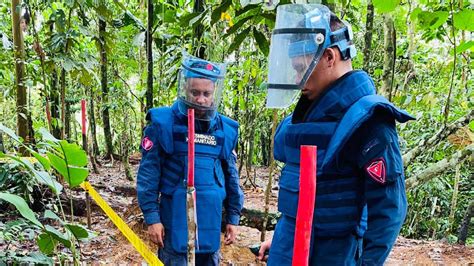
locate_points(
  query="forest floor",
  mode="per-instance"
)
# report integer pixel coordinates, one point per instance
(110, 247)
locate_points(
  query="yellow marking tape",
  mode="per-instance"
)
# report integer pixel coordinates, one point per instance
(141, 247)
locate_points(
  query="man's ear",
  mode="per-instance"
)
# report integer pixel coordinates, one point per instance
(330, 55)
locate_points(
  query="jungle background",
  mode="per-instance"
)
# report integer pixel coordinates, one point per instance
(122, 58)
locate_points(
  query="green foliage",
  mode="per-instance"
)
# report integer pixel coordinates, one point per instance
(385, 6)
(21, 206)
(237, 32)
(70, 161)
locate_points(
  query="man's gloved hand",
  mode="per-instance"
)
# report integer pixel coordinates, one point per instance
(157, 234)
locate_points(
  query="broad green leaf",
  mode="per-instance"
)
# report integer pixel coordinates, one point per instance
(42, 177)
(197, 19)
(71, 164)
(46, 135)
(414, 13)
(249, 11)
(10, 133)
(238, 40)
(37, 258)
(262, 42)
(79, 231)
(51, 215)
(46, 243)
(236, 27)
(432, 20)
(73, 153)
(464, 20)
(462, 47)
(184, 21)
(58, 236)
(78, 175)
(21, 205)
(385, 6)
(216, 14)
(44, 161)
(139, 39)
(58, 164)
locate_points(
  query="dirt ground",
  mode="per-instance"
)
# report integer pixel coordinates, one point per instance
(110, 247)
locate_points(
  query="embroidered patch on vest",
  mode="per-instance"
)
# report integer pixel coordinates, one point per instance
(204, 139)
(376, 170)
(147, 144)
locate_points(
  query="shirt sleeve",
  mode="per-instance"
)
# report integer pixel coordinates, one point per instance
(381, 165)
(149, 173)
(235, 197)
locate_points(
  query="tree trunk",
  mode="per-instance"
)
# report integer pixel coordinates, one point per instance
(198, 30)
(454, 198)
(126, 147)
(2, 147)
(369, 25)
(268, 190)
(389, 58)
(95, 146)
(20, 74)
(410, 69)
(105, 90)
(67, 122)
(55, 105)
(463, 230)
(149, 56)
(439, 167)
(62, 93)
(444, 132)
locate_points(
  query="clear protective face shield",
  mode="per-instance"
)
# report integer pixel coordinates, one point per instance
(298, 42)
(200, 84)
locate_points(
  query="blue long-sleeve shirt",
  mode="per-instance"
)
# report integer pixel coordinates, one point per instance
(380, 163)
(149, 178)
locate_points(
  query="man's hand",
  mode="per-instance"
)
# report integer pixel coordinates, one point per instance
(264, 247)
(230, 234)
(157, 234)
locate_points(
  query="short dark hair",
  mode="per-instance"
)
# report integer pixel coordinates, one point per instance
(335, 23)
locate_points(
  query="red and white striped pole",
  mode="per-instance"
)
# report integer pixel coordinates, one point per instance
(191, 193)
(84, 147)
(306, 204)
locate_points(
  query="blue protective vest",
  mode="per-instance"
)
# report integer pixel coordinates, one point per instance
(328, 124)
(210, 149)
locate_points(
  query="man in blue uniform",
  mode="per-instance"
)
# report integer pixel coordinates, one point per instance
(360, 197)
(161, 181)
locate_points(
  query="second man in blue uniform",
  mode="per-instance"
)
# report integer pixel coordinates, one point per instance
(161, 181)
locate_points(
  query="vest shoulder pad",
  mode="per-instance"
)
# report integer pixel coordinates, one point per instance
(162, 117)
(231, 132)
(359, 112)
(279, 146)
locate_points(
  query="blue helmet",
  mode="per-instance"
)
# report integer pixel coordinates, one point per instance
(302, 33)
(340, 38)
(200, 86)
(199, 68)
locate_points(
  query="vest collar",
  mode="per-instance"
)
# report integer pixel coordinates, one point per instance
(335, 100)
(199, 125)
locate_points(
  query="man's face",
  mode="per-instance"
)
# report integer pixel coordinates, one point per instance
(200, 91)
(300, 64)
(315, 82)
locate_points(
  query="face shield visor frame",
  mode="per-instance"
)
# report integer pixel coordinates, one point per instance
(294, 54)
(298, 41)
